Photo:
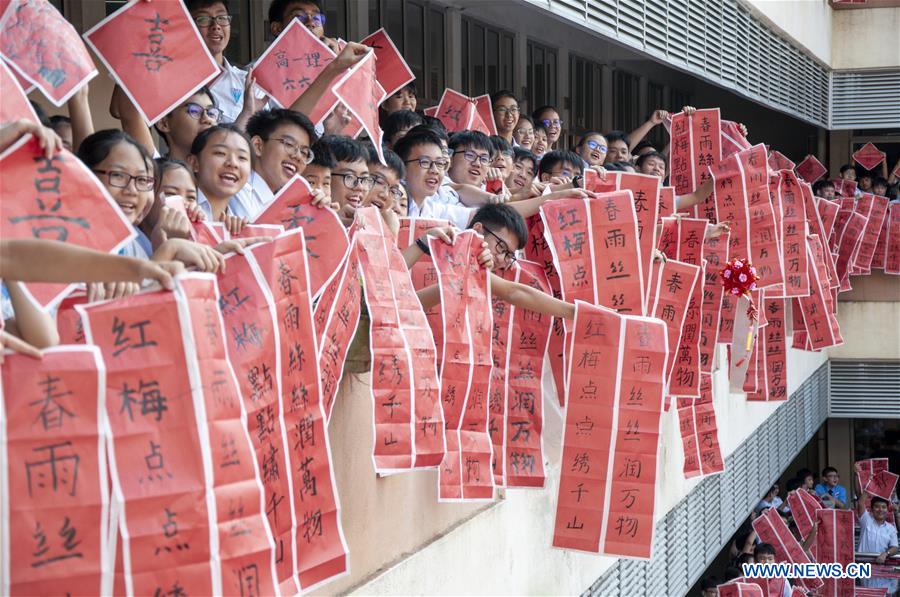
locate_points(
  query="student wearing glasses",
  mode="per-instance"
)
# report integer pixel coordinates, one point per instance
(350, 178)
(523, 134)
(592, 149)
(506, 114)
(548, 117)
(308, 12)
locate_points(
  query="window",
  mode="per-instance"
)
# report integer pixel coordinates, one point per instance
(418, 30)
(586, 87)
(656, 99)
(627, 101)
(335, 18)
(487, 58)
(541, 72)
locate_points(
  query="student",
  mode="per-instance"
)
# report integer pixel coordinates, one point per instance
(174, 178)
(824, 188)
(502, 162)
(848, 172)
(318, 172)
(523, 134)
(653, 163)
(403, 99)
(523, 171)
(506, 114)
(876, 535)
(864, 182)
(308, 12)
(880, 186)
(618, 151)
(181, 126)
(549, 118)
(541, 141)
(657, 118)
(807, 480)
(560, 167)
(398, 123)
(643, 147)
(350, 179)
(709, 586)
(770, 500)
(62, 126)
(387, 189)
(764, 553)
(24, 319)
(220, 159)
(471, 155)
(832, 494)
(592, 148)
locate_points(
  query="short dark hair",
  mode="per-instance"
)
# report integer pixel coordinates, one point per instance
(822, 184)
(537, 113)
(202, 91)
(322, 156)
(399, 120)
(163, 165)
(202, 139)
(520, 154)
(583, 139)
(708, 582)
(420, 135)
(846, 167)
(264, 122)
(96, 147)
(763, 549)
(618, 166)
(500, 145)
(278, 8)
(642, 144)
(391, 160)
(497, 216)
(793, 484)
(58, 119)
(864, 174)
(193, 5)
(879, 500)
(499, 95)
(650, 154)
(475, 139)
(803, 473)
(346, 149)
(438, 125)
(616, 136)
(560, 156)
(880, 180)
(827, 470)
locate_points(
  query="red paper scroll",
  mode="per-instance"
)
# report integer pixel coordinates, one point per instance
(881, 484)
(252, 331)
(696, 146)
(869, 467)
(699, 433)
(325, 236)
(742, 199)
(778, 161)
(465, 472)
(846, 246)
(405, 391)
(733, 139)
(817, 309)
(156, 54)
(391, 69)
(615, 385)
(815, 223)
(290, 65)
(828, 212)
(485, 109)
(337, 319)
(360, 92)
(868, 156)
(321, 549)
(714, 314)
(14, 104)
(876, 213)
(892, 247)
(55, 506)
(258, 230)
(811, 169)
(740, 589)
(793, 234)
(844, 187)
(666, 201)
(56, 199)
(45, 49)
(879, 255)
(772, 529)
(68, 322)
(673, 287)
(528, 338)
(803, 505)
(773, 348)
(834, 543)
(456, 111)
(501, 339)
(158, 460)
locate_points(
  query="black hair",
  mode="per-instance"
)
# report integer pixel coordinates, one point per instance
(803, 473)
(202, 91)
(846, 167)
(500, 145)
(879, 500)
(650, 154)
(560, 156)
(499, 95)
(763, 549)
(202, 138)
(397, 121)
(193, 5)
(526, 118)
(96, 147)
(322, 156)
(585, 137)
(537, 113)
(264, 122)
(864, 174)
(41, 114)
(165, 164)
(475, 139)
(618, 166)
(497, 216)
(540, 127)
(793, 484)
(731, 573)
(827, 470)
(879, 180)
(58, 119)
(278, 8)
(420, 135)
(821, 184)
(438, 127)
(391, 160)
(521, 154)
(616, 136)
(642, 144)
(708, 582)
(346, 149)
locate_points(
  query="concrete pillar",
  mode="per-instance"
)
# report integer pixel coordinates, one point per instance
(606, 119)
(453, 48)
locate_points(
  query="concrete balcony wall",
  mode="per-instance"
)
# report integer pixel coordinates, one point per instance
(870, 319)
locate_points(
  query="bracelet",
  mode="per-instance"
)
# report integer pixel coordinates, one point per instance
(577, 179)
(423, 246)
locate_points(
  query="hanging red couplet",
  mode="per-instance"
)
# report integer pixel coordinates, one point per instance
(892, 243)
(803, 505)
(817, 309)
(778, 161)
(879, 255)
(696, 146)
(465, 472)
(847, 243)
(834, 543)
(714, 315)
(605, 502)
(773, 348)
(405, 390)
(497, 405)
(772, 529)
(56, 512)
(876, 213)
(793, 234)
(699, 432)
(673, 286)
(733, 139)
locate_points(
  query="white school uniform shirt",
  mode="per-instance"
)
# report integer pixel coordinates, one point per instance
(228, 89)
(255, 196)
(458, 215)
(238, 205)
(876, 538)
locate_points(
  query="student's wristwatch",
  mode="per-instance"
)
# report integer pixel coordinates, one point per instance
(423, 246)
(576, 181)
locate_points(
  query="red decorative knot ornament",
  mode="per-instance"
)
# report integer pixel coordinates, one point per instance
(739, 278)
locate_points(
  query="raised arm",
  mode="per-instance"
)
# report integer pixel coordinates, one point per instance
(80, 115)
(526, 297)
(120, 107)
(30, 323)
(683, 202)
(638, 134)
(349, 56)
(860, 492)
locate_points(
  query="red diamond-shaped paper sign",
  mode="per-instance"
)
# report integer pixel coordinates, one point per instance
(777, 161)
(868, 156)
(844, 187)
(811, 169)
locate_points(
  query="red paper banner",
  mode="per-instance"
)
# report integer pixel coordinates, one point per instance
(733, 139)
(817, 309)
(847, 244)
(741, 589)
(457, 111)
(14, 104)
(793, 234)
(778, 161)
(772, 529)
(485, 109)
(879, 255)
(68, 322)
(360, 92)
(834, 543)
(828, 212)
(881, 484)
(816, 224)
(892, 248)
(666, 201)
(258, 230)
(605, 502)
(55, 504)
(405, 390)
(773, 349)
(465, 472)
(325, 236)
(155, 53)
(844, 187)
(392, 71)
(868, 156)
(696, 146)
(875, 209)
(672, 288)
(699, 433)
(501, 341)
(803, 505)
(321, 549)
(811, 169)
(291, 63)
(44, 48)
(717, 314)
(56, 199)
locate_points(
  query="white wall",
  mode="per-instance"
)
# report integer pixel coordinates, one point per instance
(806, 22)
(866, 39)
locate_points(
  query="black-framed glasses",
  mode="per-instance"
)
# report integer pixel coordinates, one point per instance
(395, 191)
(507, 111)
(554, 122)
(195, 111)
(501, 246)
(294, 150)
(121, 180)
(352, 181)
(427, 163)
(596, 145)
(220, 20)
(316, 18)
(470, 156)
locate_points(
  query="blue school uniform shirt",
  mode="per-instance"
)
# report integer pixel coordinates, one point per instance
(838, 492)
